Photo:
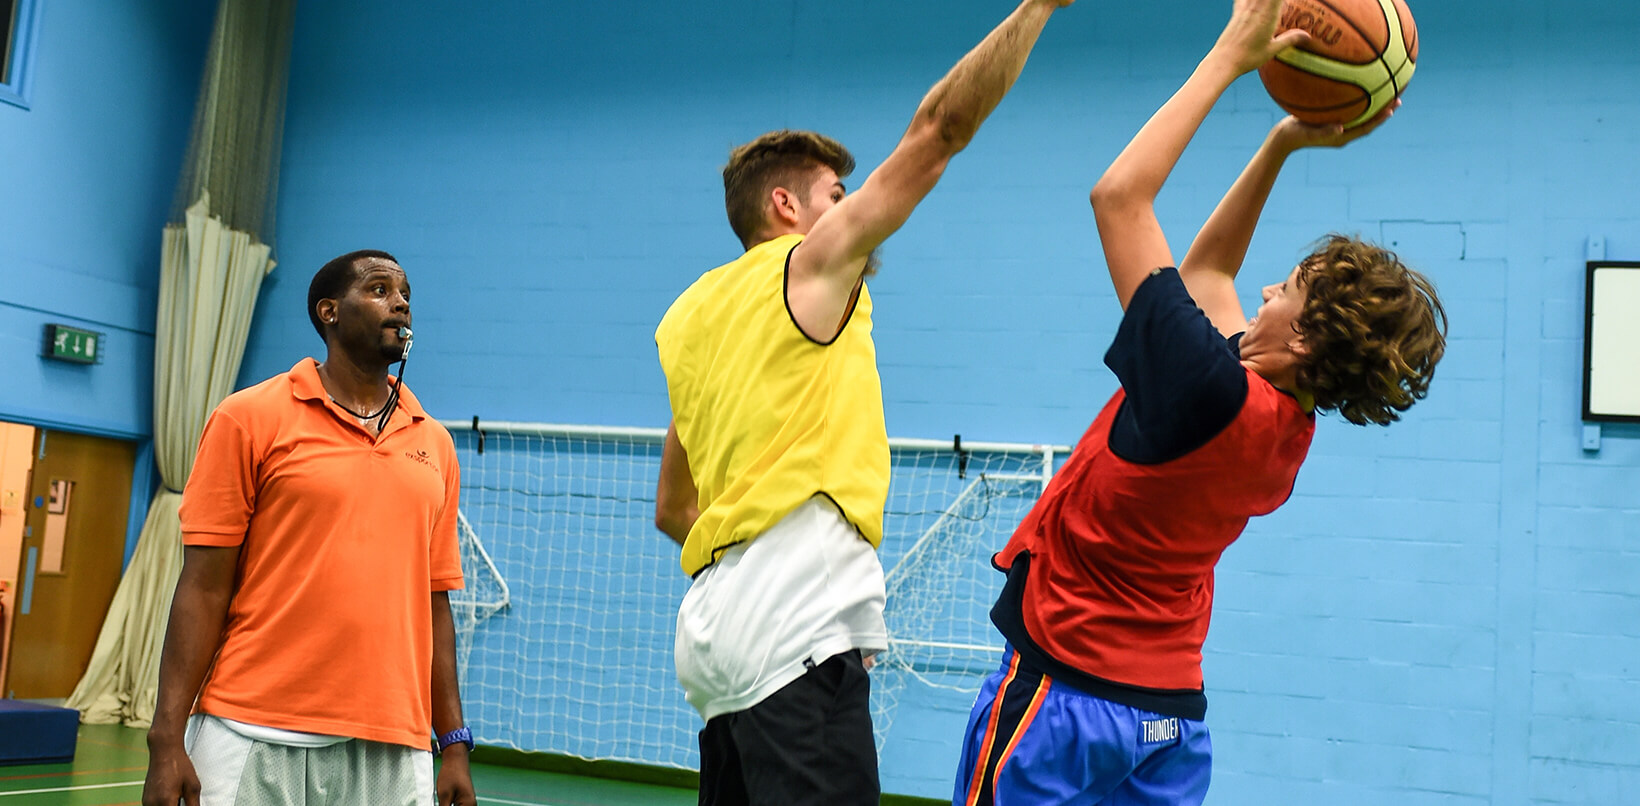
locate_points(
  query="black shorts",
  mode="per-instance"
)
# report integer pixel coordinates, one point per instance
(810, 743)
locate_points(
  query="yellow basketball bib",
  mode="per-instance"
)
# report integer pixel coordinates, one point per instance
(769, 417)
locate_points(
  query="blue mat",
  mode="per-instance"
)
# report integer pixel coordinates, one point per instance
(36, 734)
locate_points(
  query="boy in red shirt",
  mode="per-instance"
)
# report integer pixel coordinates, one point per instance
(1110, 578)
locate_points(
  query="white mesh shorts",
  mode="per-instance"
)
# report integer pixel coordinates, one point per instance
(235, 770)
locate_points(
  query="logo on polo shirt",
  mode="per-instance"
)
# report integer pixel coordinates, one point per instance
(422, 457)
(1158, 730)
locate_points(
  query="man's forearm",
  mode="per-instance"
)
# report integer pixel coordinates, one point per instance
(961, 101)
(446, 686)
(455, 783)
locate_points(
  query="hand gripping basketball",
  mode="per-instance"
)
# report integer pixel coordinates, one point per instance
(1292, 134)
(1250, 39)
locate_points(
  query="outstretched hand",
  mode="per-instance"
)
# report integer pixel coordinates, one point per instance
(1250, 38)
(1292, 134)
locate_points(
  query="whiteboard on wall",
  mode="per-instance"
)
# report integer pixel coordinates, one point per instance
(1611, 343)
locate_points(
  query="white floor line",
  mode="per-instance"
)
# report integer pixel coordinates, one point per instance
(82, 787)
(68, 788)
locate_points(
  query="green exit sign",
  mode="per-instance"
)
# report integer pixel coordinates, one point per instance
(72, 344)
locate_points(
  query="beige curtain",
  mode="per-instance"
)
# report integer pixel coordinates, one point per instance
(209, 280)
(212, 265)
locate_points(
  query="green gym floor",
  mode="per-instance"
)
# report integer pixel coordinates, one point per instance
(110, 761)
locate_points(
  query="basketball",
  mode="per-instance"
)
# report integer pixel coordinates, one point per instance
(1359, 60)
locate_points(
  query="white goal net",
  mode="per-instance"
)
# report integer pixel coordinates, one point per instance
(565, 629)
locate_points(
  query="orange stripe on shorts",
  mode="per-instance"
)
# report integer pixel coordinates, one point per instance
(1024, 725)
(984, 757)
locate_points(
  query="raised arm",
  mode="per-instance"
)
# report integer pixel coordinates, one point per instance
(1124, 199)
(828, 265)
(1210, 266)
(198, 611)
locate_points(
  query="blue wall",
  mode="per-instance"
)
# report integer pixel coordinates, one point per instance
(87, 182)
(1449, 609)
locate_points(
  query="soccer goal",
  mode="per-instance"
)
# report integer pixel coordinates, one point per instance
(483, 595)
(565, 631)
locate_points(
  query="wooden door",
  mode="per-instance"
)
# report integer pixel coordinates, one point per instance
(73, 547)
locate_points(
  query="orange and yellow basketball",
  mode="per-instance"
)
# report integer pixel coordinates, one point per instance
(1359, 60)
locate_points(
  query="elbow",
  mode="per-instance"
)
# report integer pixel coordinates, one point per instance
(957, 131)
(947, 130)
(1111, 195)
(673, 519)
(1104, 195)
(676, 523)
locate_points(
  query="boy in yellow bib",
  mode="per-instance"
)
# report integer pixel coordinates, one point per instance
(776, 467)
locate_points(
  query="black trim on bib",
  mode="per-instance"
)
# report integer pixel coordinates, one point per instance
(785, 299)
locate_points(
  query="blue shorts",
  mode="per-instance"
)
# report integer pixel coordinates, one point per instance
(1032, 742)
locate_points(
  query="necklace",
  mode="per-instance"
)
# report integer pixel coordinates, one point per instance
(352, 412)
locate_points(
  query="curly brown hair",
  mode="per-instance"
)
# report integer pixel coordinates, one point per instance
(1372, 329)
(784, 158)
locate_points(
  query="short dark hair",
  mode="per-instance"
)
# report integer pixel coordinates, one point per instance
(1373, 331)
(781, 158)
(333, 278)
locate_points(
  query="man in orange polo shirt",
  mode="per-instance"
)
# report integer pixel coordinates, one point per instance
(311, 634)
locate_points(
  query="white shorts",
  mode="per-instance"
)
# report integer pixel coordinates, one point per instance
(236, 770)
(769, 609)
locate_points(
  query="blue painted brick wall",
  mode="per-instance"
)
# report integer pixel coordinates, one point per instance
(1444, 613)
(89, 172)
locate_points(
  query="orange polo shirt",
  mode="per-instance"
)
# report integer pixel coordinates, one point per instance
(343, 538)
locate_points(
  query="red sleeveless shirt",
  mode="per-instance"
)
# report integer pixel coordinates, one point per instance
(1122, 554)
